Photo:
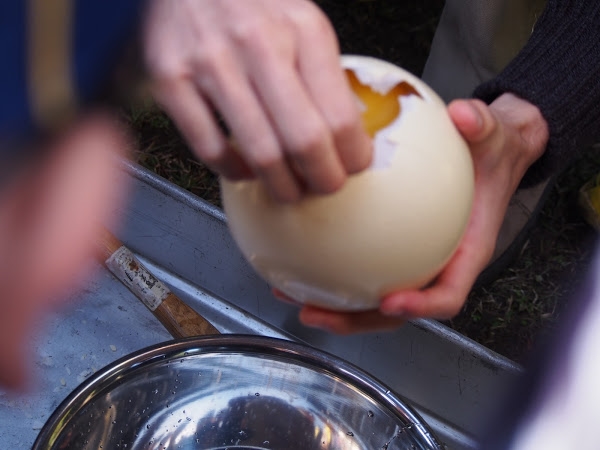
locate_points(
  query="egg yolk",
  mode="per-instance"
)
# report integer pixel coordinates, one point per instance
(380, 109)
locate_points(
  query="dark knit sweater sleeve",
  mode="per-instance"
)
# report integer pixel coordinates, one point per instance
(558, 70)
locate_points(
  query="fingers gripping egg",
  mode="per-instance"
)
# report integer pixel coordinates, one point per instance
(393, 226)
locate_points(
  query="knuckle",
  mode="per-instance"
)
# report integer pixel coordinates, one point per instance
(208, 58)
(344, 122)
(164, 70)
(266, 45)
(255, 35)
(203, 65)
(308, 141)
(245, 33)
(266, 158)
(263, 162)
(312, 22)
(213, 154)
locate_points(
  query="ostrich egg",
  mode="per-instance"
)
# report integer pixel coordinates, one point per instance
(391, 227)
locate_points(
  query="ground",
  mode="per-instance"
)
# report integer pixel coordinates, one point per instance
(508, 315)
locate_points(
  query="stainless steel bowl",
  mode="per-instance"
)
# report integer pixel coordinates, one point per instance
(233, 392)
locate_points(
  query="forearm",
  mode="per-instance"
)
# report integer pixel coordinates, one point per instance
(558, 71)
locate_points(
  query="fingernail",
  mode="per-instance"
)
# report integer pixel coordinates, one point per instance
(477, 114)
(312, 321)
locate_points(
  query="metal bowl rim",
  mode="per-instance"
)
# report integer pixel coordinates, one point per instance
(294, 352)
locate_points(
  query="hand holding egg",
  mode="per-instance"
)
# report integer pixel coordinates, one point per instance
(389, 228)
(505, 138)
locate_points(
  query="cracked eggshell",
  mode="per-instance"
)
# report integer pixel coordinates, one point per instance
(394, 226)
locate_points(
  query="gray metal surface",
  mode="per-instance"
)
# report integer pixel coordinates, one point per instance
(104, 322)
(452, 381)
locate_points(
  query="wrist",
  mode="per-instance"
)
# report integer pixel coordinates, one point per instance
(526, 131)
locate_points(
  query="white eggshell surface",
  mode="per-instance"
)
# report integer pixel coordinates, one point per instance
(391, 227)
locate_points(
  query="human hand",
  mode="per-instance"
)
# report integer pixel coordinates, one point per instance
(505, 139)
(50, 214)
(271, 69)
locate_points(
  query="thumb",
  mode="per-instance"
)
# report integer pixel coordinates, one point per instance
(473, 119)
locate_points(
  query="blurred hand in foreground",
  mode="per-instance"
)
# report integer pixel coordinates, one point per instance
(50, 211)
(271, 70)
(505, 138)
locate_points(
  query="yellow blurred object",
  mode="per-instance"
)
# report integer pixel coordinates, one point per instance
(589, 202)
(380, 109)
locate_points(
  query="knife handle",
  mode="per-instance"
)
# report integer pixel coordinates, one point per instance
(177, 317)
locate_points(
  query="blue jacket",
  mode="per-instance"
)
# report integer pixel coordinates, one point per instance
(56, 55)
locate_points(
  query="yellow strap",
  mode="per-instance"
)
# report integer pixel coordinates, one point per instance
(52, 95)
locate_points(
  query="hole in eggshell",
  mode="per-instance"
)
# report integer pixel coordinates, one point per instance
(379, 109)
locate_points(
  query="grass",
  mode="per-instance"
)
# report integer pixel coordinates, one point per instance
(526, 301)
(162, 150)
